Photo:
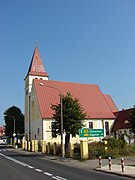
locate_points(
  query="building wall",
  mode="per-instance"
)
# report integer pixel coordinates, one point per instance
(47, 132)
(42, 129)
(28, 88)
(128, 135)
(35, 117)
(97, 124)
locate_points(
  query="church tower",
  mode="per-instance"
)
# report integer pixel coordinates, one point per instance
(36, 71)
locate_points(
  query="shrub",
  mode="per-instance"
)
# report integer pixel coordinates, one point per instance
(115, 148)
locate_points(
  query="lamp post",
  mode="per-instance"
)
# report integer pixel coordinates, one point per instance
(61, 102)
(14, 127)
(62, 144)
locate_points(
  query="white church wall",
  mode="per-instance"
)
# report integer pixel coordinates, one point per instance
(36, 129)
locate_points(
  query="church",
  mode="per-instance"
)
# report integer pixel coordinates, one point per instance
(41, 93)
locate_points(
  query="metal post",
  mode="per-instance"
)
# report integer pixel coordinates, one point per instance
(122, 164)
(14, 131)
(14, 124)
(110, 163)
(100, 161)
(13, 127)
(61, 101)
(62, 144)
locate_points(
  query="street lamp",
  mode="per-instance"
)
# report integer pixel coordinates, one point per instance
(14, 127)
(61, 102)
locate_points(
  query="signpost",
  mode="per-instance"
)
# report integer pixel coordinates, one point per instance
(14, 134)
(86, 132)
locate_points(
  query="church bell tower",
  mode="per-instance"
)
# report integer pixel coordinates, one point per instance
(36, 71)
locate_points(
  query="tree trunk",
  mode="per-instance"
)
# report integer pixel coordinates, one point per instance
(67, 140)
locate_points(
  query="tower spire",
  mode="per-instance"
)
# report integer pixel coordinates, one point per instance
(36, 66)
(36, 43)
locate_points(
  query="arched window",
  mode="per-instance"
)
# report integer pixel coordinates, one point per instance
(91, 125)
(107, 128)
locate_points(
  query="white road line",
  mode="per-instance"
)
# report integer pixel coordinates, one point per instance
(14, 160)
(31, 167)
(39, 170)
(48, 174)
(61, 178)
(55, 178)
(2, 154)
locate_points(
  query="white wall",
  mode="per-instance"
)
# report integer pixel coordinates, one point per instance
(36, 129)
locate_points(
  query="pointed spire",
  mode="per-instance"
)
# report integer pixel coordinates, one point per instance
(36, 43)
(36, 66)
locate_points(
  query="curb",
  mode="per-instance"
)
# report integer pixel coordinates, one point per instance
(115, 173)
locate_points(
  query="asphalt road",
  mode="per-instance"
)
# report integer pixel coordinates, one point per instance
(21, 166)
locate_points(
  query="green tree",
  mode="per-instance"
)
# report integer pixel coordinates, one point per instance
(73, 116)
(132, 119)
(10, 115)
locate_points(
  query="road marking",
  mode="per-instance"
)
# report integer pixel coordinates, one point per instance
(31, 167)
(14, 160)
(55, 178)
(39, 170)
(48, 174)
(17, 161)
(61, 178)
(2, 154)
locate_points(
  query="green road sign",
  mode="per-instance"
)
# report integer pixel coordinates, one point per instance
(86, 132)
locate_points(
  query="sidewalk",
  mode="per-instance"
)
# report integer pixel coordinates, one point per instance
(129, 168)
(129, 171)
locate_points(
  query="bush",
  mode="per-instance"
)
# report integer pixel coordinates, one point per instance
(114, 148)
(96, 149)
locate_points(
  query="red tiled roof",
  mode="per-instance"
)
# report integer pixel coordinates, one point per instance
(36, 66)
(111, 103)
(122, 120)
(90, 97)
(2, 129)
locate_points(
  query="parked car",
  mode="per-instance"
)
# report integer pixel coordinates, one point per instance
(3, 141)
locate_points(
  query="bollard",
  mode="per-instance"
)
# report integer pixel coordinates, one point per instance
(54, 148)
(100, 161)
(29, 146)
(36, 145)
(122, 164)
(110, 163)
(23, 144)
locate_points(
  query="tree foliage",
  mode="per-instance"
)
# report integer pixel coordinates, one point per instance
(132, 119)
(9, 115)
(73, 115)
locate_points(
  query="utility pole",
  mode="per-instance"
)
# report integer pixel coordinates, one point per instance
(61, 102)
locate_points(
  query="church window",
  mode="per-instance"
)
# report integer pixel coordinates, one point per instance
(107, 128)
(91, 125)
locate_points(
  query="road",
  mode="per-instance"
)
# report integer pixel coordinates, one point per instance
(19, 166)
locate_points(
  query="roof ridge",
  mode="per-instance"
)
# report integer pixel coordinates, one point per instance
(68, 82)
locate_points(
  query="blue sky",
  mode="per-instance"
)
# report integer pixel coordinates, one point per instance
(86, 41)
